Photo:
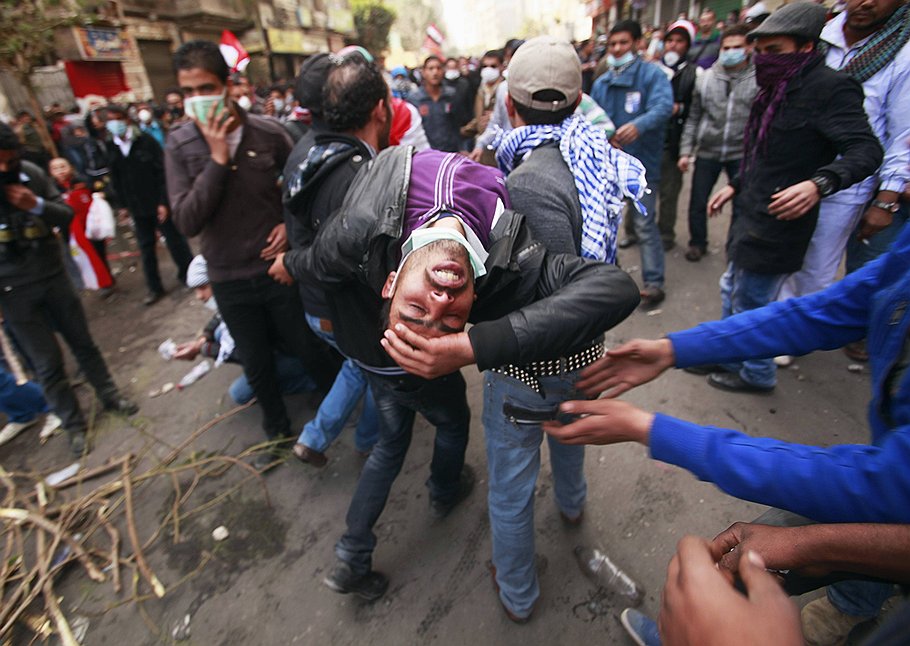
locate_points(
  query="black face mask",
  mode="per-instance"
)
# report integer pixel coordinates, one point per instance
(176, 112)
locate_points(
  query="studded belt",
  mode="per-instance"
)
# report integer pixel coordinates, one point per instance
(528, 374)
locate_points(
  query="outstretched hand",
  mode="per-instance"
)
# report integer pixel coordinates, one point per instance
(603, 421)
(428, 358)
(700, 606)
(624, 367)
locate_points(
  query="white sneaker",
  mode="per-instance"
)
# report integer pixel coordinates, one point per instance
(12, 429)
(783, 360)
(51, 424)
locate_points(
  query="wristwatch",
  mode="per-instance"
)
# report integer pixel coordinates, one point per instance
(824, 184)
(891, 207)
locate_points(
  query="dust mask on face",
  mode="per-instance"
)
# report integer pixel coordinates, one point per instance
(671, 59)
(426, 235)
(245, 102)
(489, 75)
(211, 304)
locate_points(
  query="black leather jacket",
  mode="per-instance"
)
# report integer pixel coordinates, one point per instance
(531, 305)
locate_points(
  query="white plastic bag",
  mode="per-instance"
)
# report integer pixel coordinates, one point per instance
(99, 223)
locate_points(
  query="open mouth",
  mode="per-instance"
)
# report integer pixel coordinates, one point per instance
(448, 275)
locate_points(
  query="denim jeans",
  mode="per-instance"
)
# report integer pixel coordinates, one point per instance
(513, 457)
(147, 228)
(649, 242)
(859, 253)
(443, 402)
(350, 385)
(742, 290)
(292, 379)
(23, 403)
(704, 177)
(265, 317)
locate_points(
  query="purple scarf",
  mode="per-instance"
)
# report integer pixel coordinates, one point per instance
(773, 73)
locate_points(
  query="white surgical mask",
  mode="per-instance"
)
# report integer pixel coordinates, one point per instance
(451, 75)
(145, 116)
(211, 304)
(732, 57)
(199, 106)
(279, 104)
(424, 236)
(245, 102)
(489, 75)
(116, 127)
(671, 59)
(625, 59)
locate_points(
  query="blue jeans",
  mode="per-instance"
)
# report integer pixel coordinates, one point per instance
(859, 253)
(649, 242)
(21, 404)
(513, 457)
(350, 385)
(443, 402)
(292, 379)
(704, 177)
(742, 290)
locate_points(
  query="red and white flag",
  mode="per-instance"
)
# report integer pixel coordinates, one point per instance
(234, 54)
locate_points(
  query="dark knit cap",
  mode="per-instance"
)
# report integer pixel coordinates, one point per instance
(310, 81)
(800, 19)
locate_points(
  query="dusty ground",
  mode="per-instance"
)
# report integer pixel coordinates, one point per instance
(262, 585)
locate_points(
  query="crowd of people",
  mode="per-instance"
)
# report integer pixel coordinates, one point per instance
(350, 225)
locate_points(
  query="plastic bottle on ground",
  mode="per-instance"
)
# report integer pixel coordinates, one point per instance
(194, 375)
(598, 567)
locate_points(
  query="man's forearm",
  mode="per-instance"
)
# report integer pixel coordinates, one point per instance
(876, 550)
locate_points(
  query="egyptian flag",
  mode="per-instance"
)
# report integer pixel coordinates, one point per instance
(94, 273)
(234, 54)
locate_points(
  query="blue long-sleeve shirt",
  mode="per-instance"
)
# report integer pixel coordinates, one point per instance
(846, 483)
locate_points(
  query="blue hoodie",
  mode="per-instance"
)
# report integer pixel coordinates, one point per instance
(846, 483)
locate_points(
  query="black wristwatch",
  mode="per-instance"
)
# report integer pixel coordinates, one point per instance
(825, 185)
(891, 207)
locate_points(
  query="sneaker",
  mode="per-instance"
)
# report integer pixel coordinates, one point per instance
(705, 369)
(369, 587)
(825, 625)
(120, 405)
(51, 424)
(12, 429)
(78, 445)
(440, 509)
(783, 360)
(625, 243)
(641, 628)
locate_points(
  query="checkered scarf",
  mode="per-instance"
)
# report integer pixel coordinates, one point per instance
(881, 47)
(604, 177)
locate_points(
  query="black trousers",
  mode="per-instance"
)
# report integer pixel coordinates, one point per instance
(147, 228)
(34, 313)
(264, 316)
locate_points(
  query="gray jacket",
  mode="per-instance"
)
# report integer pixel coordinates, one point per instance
(720, 109)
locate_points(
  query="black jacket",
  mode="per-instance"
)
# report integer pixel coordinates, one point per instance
(25, 261)
(683, 84)
(530, 305)
(821, 117)
(138, 178)
(317, 175)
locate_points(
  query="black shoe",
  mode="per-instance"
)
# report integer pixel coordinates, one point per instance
(705, 369)
(78, 446)
(668, 245)
(121, 405)
(651, 296)
(440, 509)
(732, 382)
(625, 243)
(151, 298)
(266, 461)
(369, 586)
(694, 254)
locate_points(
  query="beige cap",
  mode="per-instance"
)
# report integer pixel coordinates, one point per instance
(545, 63)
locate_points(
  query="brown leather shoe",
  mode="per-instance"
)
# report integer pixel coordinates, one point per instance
(511, 615)
(568, 521)
(310, 456)
(857, 351)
